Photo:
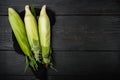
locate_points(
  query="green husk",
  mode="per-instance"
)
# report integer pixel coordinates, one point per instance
(44, 33)
(32, 33)
(32, 8)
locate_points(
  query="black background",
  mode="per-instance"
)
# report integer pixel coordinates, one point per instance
(85, 40)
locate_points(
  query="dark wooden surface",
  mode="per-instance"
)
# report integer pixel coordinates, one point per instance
(85, 40)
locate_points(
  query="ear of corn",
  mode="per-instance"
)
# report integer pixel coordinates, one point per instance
(19, 31)
(20, 34)
(44, 33)
(32, 33)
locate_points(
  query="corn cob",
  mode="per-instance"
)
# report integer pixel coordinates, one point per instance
(32, 33)
(44, 33)
(20, 34)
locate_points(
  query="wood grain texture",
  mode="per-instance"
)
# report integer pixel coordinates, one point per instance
(85, 40)
(75, 33)
(67, 63)
(66, 7)
(63, 77)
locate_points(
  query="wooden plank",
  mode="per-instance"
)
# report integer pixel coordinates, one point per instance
(66, 7)
(67, 63)
(94, 77)
(11, 61)
(75, 33)
(18, 78)
(62, 77)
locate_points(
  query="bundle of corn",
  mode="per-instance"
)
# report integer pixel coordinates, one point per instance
(33, 39)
